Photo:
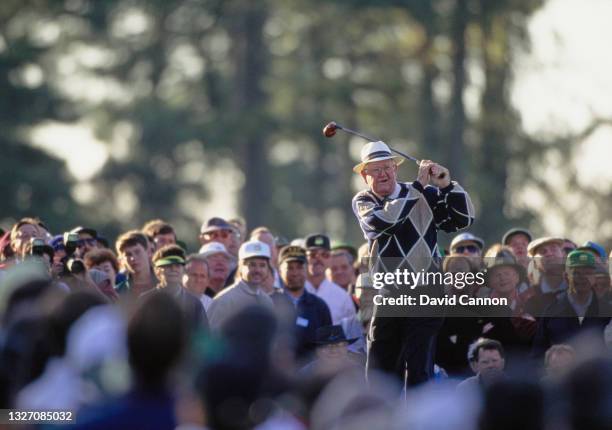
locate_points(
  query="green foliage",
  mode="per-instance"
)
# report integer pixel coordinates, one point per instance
(200, 82)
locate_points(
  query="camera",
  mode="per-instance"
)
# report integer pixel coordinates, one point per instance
(72, 265)
(38, 246)
(75, 266)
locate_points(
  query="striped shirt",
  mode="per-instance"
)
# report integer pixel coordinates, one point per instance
(402, 228)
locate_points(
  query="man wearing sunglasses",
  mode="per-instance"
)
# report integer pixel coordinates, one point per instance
(216, 230)
(88, 240)
(470, 246)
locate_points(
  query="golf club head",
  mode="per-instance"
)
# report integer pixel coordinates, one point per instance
(330, 129)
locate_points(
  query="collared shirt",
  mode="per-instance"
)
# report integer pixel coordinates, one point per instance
(232, 300)
(580, 309)
(206, 301)
(337, 299)
(546, 288)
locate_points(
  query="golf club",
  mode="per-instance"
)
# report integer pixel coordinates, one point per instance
(330, 131)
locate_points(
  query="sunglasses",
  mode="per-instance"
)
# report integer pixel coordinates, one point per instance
(472, 249)
(217, 234)
(83, 242)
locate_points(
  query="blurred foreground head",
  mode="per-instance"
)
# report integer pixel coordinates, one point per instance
(234, 388)
(156, 339)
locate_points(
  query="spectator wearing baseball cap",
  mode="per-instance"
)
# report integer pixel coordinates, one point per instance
(518, 239)
(338, 300)
(88, 240)
(216, 229)
(546, 273)
(577, 309)
(219, 264)
(263, 234)
(470, 246)
(253, 270)
(311, 312)
(596, 249)
(169, 266)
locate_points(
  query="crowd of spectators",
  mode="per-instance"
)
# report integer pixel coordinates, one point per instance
(254, 331)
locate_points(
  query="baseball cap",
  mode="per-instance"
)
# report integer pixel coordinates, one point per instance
(216, 223)
(253, 249)
(88, 230)
(579, 258)
(317, 241)
(589, 245)
(292, 253)
(466, 237)
(213, 248)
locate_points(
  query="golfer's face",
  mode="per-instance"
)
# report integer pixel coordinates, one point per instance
(381, 176)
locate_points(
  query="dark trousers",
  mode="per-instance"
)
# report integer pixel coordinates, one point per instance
(400, 344)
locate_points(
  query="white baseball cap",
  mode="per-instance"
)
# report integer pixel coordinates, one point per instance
(254, 248)
(213, 248)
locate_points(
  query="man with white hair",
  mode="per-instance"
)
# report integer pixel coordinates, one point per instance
(219, 266)
(401, 220)
(253, 270)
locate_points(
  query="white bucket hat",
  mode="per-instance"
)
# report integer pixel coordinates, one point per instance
(375, 151)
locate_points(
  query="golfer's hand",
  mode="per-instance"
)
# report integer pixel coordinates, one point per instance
(431, 172)
(423, 176)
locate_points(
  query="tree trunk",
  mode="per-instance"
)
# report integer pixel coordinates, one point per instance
(457, 121)
(250, 62)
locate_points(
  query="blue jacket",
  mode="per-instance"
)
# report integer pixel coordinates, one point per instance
(311, 313)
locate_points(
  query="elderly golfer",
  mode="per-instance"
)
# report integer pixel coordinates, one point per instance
(401, 220)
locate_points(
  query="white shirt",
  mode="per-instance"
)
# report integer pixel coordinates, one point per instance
(206, 301)
(337, 299)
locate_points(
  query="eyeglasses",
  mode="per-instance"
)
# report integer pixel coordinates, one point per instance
(317, 253)
(472, 249)
(83, 242)
(376, 171)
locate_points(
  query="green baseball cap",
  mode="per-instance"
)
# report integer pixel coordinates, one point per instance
(579, 258)
(171, 259)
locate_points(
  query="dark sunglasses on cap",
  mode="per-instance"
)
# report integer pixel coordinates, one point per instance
(89, 241)
(472, 249)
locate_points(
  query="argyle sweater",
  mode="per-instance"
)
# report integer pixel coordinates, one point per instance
(402, 228)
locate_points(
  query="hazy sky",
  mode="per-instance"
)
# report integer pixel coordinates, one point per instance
(559, 87)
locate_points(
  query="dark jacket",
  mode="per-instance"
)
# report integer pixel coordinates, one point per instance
(460, 331)
(561, 323)
(311, 313)
(193, 310)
